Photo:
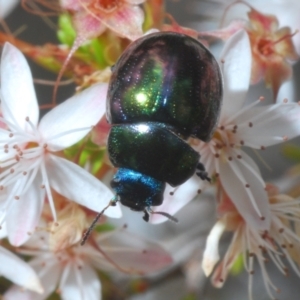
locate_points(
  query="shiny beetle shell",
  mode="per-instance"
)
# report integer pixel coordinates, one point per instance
(169, 78)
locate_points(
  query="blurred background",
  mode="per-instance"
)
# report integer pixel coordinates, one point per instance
(198, 217)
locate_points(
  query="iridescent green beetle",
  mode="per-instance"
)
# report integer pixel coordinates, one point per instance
(165, 88)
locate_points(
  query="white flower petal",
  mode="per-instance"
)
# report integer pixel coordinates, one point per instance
(23, 216)
(174, 202)
(287, 91)
(126, 21)
(211, 253)
(70, 121)
(4, 156)
(17, 293)
(81, 284)
(48, 271)
(221, 272)
(76, 184)
(236, 61)
(18, 271)
(270, 124)
(87, 25)
(6, 6)
(234, 176)
(134, 254)
(17, 90)
(3, 231)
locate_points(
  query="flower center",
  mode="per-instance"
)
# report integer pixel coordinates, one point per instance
(223, 139)
(31, 145)
(106, 6)
(22, 155)
(265, 47)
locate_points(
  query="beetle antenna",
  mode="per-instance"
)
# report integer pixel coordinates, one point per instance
(90, 229)
(171, 218)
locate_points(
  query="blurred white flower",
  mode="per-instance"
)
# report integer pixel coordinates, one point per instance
(6, 6)
(73, 270)
(18, 271)
(286, 11)
(28, 167)
(273, 27)
(280, 241)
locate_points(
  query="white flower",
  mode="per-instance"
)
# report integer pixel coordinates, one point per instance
(29, 169)
(274, 26)
(6, 6)
(254, 126)
(287, 12)
(281, 240)
(72, 271)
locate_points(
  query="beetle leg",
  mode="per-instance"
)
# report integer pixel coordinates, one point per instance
(146, 216)
(201, 172)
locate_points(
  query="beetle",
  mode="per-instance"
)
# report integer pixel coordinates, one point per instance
(165, 88)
